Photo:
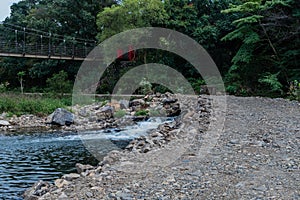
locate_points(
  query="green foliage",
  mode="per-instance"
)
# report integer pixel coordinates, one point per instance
(265, 33)
(120, 114)
(19, 105)
(67, 18)
(294, 90)
(103, 103)
(141, 113)
(154, 113)
(250, 41)
(196, 84)
(160, 88)
(59, 84)
(146, 86)
(272, 81)
(3, 87)
(130, 14)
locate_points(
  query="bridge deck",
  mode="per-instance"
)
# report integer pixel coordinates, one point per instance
(40, 56)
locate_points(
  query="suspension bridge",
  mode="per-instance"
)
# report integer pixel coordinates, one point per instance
(17, 41)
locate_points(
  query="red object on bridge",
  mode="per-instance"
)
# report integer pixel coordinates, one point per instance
(119, 53)
(130, 55)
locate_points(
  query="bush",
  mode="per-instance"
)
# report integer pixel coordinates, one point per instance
(141, 113)
(196, 84)
(294, 90)
(146, 86)
(59, 84)
(120, 114)
(154, 113)
(272, 83)
(3, 87)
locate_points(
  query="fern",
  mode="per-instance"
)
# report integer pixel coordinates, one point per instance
(244, 54)
(272, 81)
(252, 37)
(247, 20)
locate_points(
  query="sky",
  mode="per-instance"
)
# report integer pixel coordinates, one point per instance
(5, 8)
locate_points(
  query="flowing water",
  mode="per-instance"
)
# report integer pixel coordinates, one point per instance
(27, 158)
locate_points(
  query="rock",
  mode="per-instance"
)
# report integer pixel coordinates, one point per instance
(124, 104)
(98, 170)
(123, 195)
(234, 141)
(89, 194)
(70, 177)
(83, 112)
(63, 196)
(140, 118)
(209, 90)
(62, 117)
(168, 101)
(136, 102)
(105, 112)
(173, 112)
(61, 183)
(107, 109)
(38, 189)
(115, 106)
(83, 168)
(4, 123)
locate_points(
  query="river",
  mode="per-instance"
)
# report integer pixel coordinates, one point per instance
(27, 158)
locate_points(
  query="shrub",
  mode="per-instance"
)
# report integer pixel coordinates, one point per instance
(120, 114)
(141, 113)
(59, 84)
(154, 113)
(294, 90)
(271, 80)
(3, 87)
(146, 86)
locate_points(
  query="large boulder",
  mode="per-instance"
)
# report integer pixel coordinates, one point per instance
(38, 189)
(4, 123)
(169, 101)
(136, 102)
(61, 117)
(105, 112)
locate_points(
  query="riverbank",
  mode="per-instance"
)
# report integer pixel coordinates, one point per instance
(100, 115)
(256, 156)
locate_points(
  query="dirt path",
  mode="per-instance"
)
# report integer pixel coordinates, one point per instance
(256, 157)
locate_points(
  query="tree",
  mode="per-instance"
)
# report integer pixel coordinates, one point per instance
(21, 80)
(68, 18)
(129, 14)
(267, 32)
(59, 84)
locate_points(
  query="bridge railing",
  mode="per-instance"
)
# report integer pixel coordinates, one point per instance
(15, 40)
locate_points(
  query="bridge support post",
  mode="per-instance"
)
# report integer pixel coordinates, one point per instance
(24, 41)
(49, 46)
(16, 41)
(73, 48)
(41, 44)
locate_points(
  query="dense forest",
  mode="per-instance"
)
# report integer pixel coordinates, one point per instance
(254, 43)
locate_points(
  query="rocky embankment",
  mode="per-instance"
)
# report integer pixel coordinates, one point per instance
(256, 156)
(93, 117)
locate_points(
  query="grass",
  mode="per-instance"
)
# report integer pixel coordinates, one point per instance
(14, 104)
